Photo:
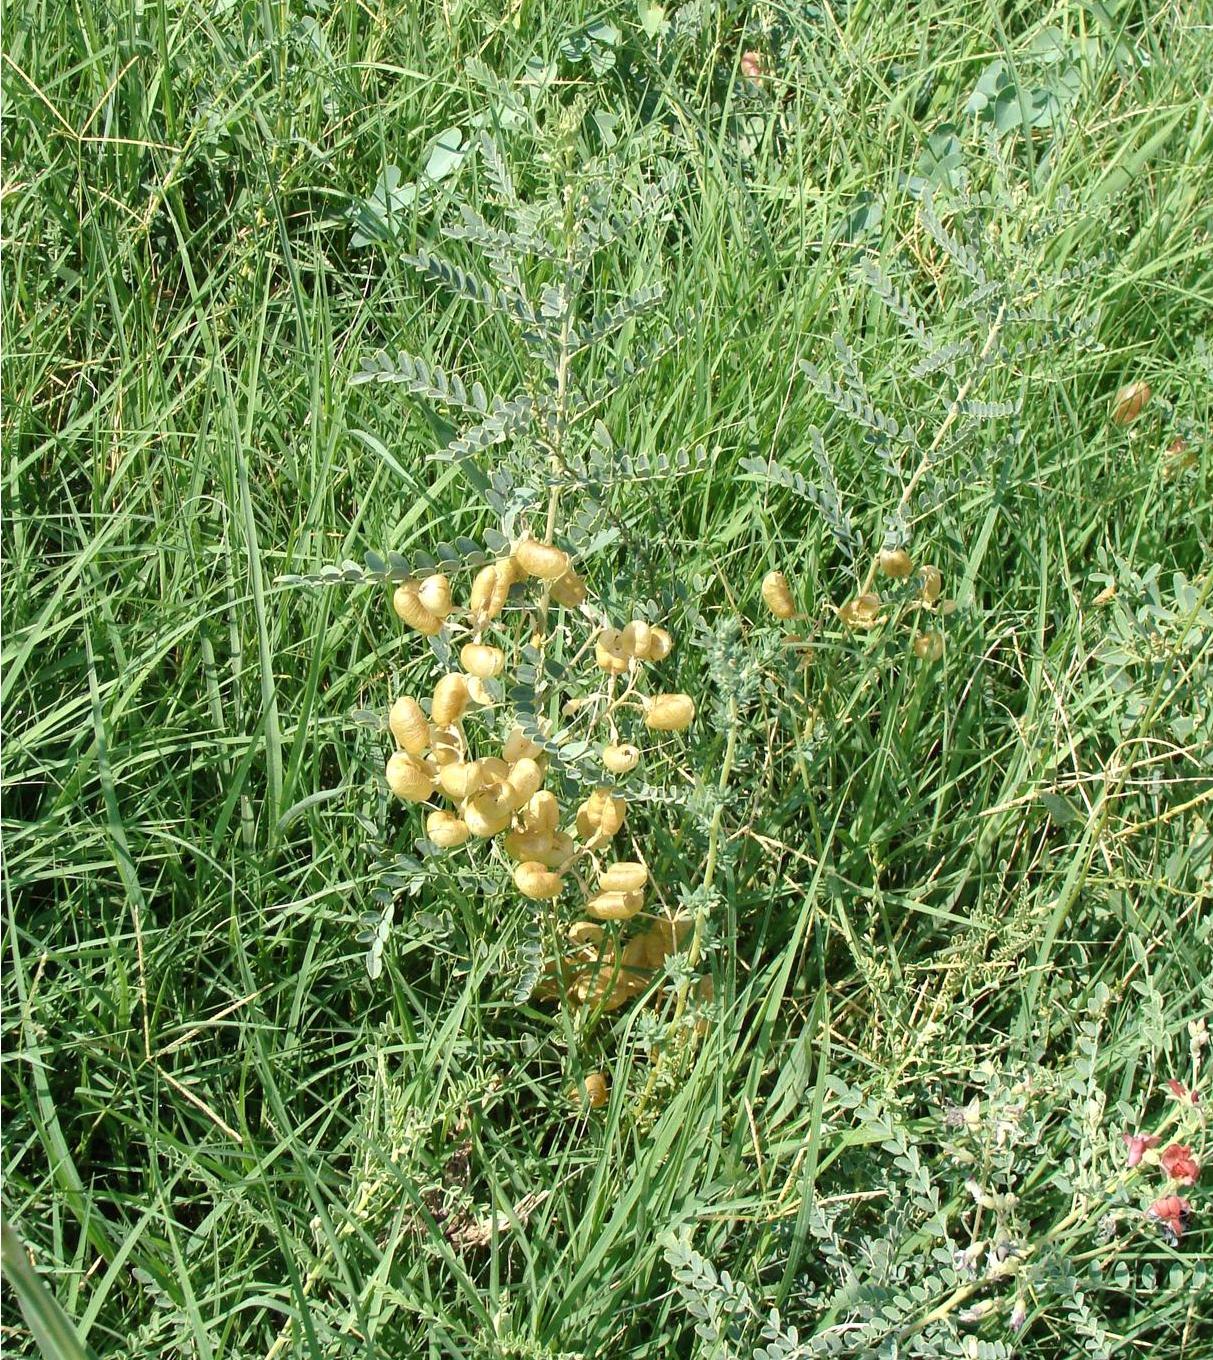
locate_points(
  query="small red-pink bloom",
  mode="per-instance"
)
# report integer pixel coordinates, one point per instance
(1139, 1144)
(1181, 1092)
(1177, 1161)
(1173, 1213)
(751, 65)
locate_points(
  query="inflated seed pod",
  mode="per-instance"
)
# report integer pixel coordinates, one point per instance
(670, 713)
(446, 830)
(609, 811)
(408, 778)
(930, 583)
(542, 813)
(537, 882)
(861, 612)
(479, 692)
(554, 850)
(661, 644)
(544, 560)
(585, 932)
(592, 1092)
(518, 744)
(409, 725)
(569, 590)
(481, 660)
(408, 607)
(624, 875)
(450, 699)
(777, 595)
(526, 778)
(1129, 402)
(490, 589)
(461, 779)
(435, 595)
(645, 950)
(446, 744)
(895, 562)
(929, 646)
(621, 758)
(636, 639)
(495, 769)
(608, 652)
(484, 816)
(615, 906)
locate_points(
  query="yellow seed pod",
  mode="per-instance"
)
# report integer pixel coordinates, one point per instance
(895, 562)
(537, 882)
(542, 813)
(777, 595)
(518, 744)
(490, 589)
(670, 713)
(620, 759)
(461, 779)
(408, 778)
(929, 646)
(1129, 402)
(482, 589)
(408, 607)
(481, 660)
(585, 932)
(569, 590)
(541, 559)
(861, 612)
(930, 583)
(661, 644)
(636, 639)
(525, 779)
(625, 875)
(947, 607)
(615, 906)
(592, 1093)
(409, 725)
(606, 811)
(478, 692)
(646, 950)
(484, 816)
(495, 769)
(435, 595)
(450, 699)
(446, 744)
(446, 830)
(609, 653)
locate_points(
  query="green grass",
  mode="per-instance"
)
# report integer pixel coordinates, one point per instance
(220, 1135)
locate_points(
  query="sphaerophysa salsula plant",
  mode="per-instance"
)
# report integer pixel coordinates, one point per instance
(544, 743)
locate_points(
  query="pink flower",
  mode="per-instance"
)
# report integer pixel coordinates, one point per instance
(1138, 1144)
(1181, 1092)
(1177, 1161)
(1173, 1213)
(751, 65)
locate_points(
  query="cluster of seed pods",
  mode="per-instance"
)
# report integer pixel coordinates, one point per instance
(864, 611)
(502, 794)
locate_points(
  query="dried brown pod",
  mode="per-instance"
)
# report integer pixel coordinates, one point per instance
(929, 646)
(434, 593)
(407, 604)
(450, 699)
(408, 778)
(481, 660)
(895, 562)
(670, 713)
(1130, 401)
(592, 1092)
(930, 583)
(537, 882)
(544, 560)
(621, 758)
(409, 726)
(446, 830)
(777, 595)
(569, 590)
(625, 875)
(861, 612)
